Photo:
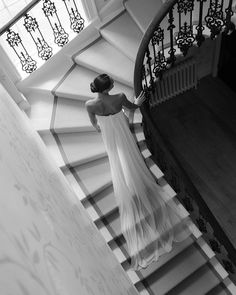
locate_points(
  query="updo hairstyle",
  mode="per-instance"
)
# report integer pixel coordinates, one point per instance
(100, 83)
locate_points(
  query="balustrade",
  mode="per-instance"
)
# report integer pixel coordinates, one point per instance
(179, 26)
(40, 38)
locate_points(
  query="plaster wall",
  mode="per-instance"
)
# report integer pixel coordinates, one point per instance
(48, 244)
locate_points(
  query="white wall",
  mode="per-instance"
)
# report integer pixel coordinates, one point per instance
(48, 245)
(101, 4)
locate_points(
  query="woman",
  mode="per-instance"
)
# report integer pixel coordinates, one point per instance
(150, 220)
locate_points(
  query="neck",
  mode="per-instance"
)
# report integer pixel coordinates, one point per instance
(101, 94)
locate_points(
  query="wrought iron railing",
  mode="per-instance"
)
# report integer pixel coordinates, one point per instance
(178, 26)
(31, 26)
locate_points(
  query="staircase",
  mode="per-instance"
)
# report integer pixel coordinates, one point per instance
(59, 115)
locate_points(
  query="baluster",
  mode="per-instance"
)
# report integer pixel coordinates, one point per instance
(170, 28)
(32, 27)
(49, 9)
(149, 59)
(144, 77)
(185, 36)
(200, 28)
(76, 21)
(229, 13)
(214, 18)
(28, 64)
(159, 58)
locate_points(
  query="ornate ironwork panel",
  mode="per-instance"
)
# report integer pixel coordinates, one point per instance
(215, 18)
(160, 62)
(76, 21)
(149, 69)
(60, 36)
(170, 28)
(185, 38)
(28, 64)
(185, 6)
(200, 28)
(32, 27)
(229, 12)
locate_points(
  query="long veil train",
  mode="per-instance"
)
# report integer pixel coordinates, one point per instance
(150, 219)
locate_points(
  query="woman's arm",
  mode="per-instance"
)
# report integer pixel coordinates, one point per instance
(137, 101)
(92, 116)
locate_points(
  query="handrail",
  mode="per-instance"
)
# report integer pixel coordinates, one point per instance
(145, 41)
(18, 16)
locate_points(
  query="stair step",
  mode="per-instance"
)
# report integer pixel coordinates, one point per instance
(143, 12)
(96, 58)
(176, 270)
(154, 168)
(41, 105)
(53, 148)
(138, 117)
(177, 248)
(79, 148)
(219, 290)
(104, 202)
(94, 176)
(71, 116)
(77, 84)
(40, 112)
(114, 221)
(199, 283)
(123, 34)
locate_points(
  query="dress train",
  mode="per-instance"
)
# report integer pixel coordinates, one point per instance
(150, 220)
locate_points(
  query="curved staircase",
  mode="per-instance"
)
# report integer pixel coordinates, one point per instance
(59, 115)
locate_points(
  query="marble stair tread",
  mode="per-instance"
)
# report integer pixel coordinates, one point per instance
(41, 105)
(175, 271)
(77, 85)
(200, 282)
(138, 117)
(112, 218)
(143, 11)
(41, 125)
(102, 57)
(94, 176)
(48, 79)
(71, 116)
(219, 290)
(104, 202)
(82, 147)
(53, 149)
(124, 34)
(163, 259)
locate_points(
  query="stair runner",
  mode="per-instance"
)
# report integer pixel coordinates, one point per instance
(61, 120)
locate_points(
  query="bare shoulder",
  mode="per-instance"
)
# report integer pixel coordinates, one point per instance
(119, 96)
(90, 104)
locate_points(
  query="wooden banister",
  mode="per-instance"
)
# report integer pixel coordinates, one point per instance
(145, 41)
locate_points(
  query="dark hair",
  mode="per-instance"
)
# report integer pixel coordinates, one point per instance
(100, 83)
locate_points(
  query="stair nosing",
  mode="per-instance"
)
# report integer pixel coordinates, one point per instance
(83, 161)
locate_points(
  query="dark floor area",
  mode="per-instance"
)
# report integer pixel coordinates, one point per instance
(200, 125)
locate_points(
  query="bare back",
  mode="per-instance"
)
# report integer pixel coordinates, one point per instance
(106, 104)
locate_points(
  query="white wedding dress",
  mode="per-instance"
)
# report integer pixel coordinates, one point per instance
(150, 219)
